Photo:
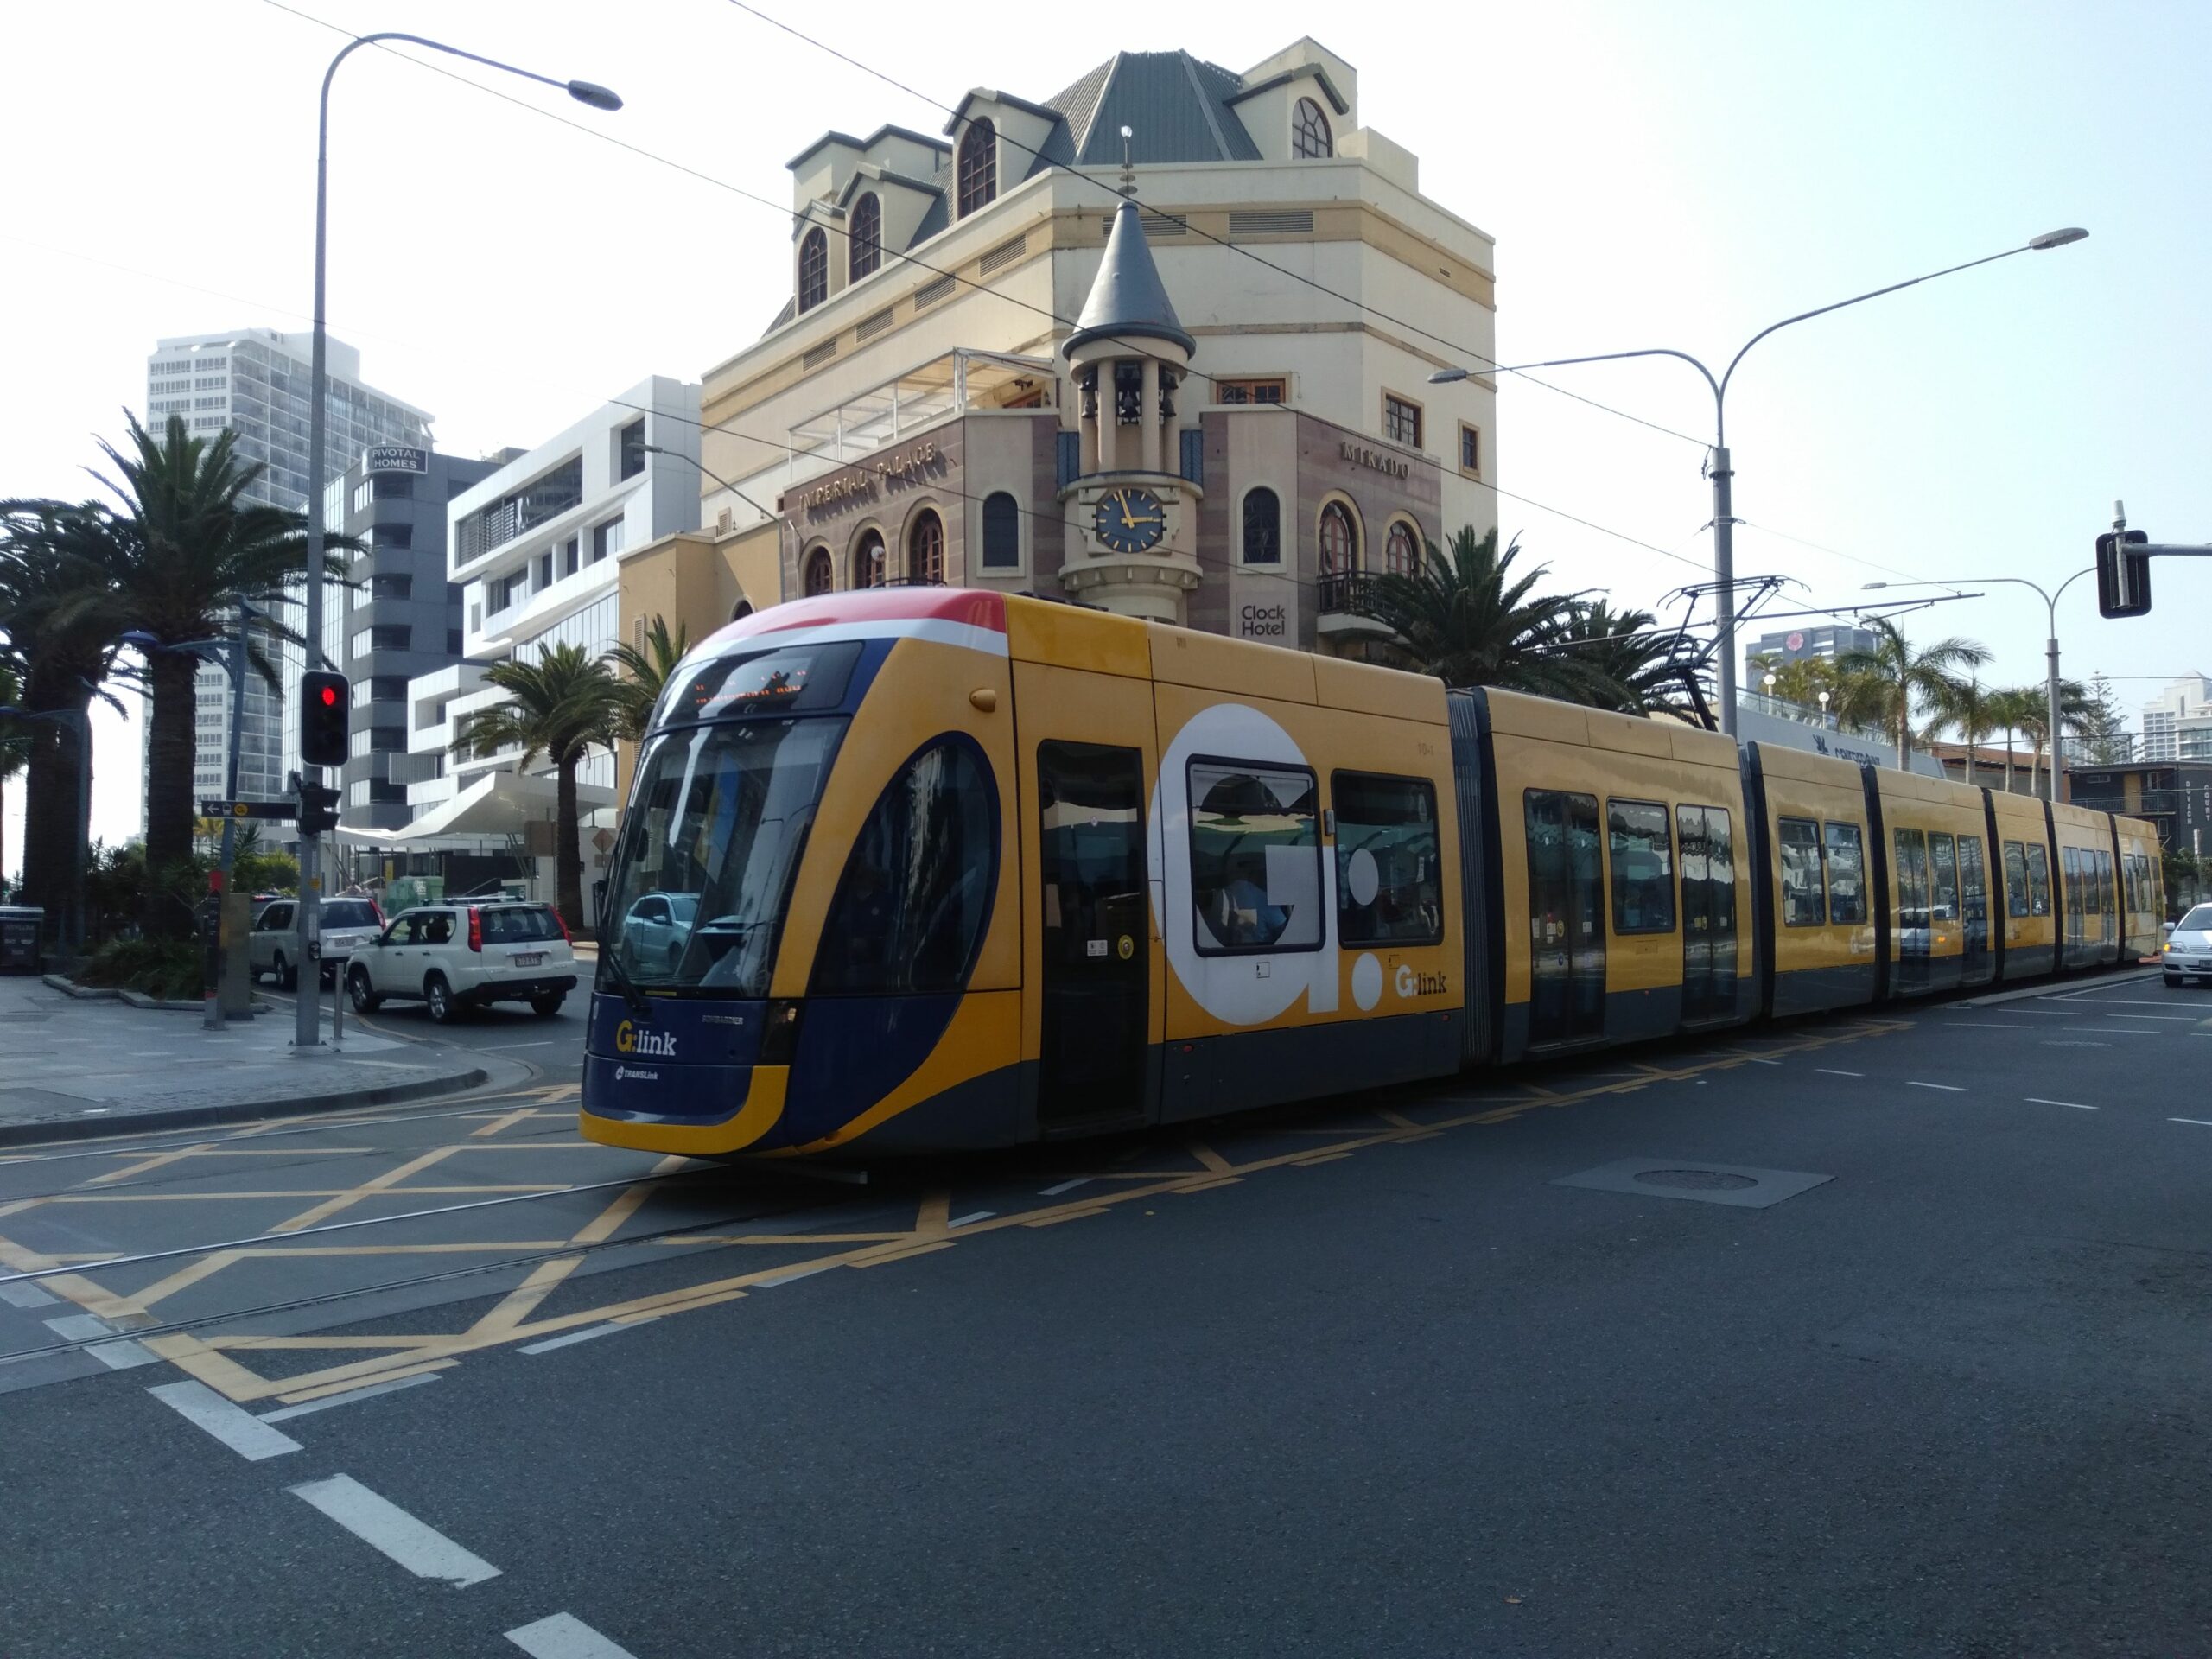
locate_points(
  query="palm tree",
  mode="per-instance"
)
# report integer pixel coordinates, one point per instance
(1469, 620)
(2032, 709)
(51, 559)
(185, 547)
(646, 675)
(559, 706)
(1890, 678)
(1970, 710)
(1645, 670)
(2015, 709)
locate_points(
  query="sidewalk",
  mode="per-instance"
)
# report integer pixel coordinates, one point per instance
(73, 1069)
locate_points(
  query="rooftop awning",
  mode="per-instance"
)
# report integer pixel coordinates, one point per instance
(498, 803)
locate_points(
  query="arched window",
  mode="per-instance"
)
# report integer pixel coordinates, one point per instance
(1001, 532)
(1339, 541)
(865, 241)
(820, 578)
(813, 269)
(1263, 528)
(925, 549)
(1401, 552)
(979, 166)
(1309, 132)
(739, 611)
(867, 561)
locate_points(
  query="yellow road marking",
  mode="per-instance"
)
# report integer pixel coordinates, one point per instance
(500, 1125)
(384, 1182)
(299, 1396)
(158, 1160)
(1212, 1159)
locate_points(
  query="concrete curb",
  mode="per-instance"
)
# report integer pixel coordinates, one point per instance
(70, 987)
(2058, 987)
(140, 1000)
(113, 1124)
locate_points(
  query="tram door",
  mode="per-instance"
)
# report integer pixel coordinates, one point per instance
(1091, 880)
(1567, 918)
(1974, 907)
(1708, 854)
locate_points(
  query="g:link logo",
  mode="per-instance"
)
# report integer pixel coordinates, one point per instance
(628, 1039)
(1410, 983)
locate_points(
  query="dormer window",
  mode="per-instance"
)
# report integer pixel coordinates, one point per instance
(979, 166)
(1309, 132)
(866, 237)
(813, 269)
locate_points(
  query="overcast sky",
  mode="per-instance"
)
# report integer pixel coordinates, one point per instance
(1678, 175)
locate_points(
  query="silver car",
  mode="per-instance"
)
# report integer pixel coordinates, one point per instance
(347, 924)
(658, 927)
(2187, 952)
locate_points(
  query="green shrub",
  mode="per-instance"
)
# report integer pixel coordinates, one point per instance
(169, 969)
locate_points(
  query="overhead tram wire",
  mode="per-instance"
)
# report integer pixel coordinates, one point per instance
(1116, 191)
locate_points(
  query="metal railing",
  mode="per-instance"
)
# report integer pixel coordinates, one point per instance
(1346, 594)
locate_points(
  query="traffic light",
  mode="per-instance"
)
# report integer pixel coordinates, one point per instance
(318, 808)
(326, 715)
(2123, 576)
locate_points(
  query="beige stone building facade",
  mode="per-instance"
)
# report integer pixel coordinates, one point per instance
(1159, 342)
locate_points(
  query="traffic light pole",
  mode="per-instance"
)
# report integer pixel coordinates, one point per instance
(213, 1018)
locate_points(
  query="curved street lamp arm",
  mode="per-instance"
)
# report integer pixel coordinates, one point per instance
(1858, 299)
(1615, 357)
(434, 46)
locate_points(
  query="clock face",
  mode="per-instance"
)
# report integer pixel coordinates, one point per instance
(1129, 520)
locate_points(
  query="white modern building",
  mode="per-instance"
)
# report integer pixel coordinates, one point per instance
(535, 549)
(255, 381)
(2178, 723)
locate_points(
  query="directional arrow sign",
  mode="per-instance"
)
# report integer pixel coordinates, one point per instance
(276, 809)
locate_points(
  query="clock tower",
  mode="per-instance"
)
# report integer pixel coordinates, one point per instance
(1132, 518)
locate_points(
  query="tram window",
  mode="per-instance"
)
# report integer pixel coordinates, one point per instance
(1846, 876)
(1256, 858)
(1973, 887)
(910, 905)
(2069, 868)
(716, 823)
(2039, 881)
(2016, 879)
(1389, 880)
(1912, 878)
(1643, 867)
(1800, 842)
(1943, 860)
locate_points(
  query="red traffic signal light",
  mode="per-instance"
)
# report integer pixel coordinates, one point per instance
(325, 718)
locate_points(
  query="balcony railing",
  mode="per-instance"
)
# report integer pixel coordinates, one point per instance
(1348, 594)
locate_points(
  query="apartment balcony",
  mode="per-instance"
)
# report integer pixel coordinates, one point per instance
(1341, 609)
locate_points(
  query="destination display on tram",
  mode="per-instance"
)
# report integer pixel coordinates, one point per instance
(790, 679)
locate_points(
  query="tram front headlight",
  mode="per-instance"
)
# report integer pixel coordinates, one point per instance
(779, 1038)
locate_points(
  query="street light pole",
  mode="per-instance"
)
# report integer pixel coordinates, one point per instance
(2050, 650)
(774, 518)
(1719, 467)
(307, 1030)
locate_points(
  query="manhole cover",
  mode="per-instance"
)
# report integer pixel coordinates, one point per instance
(1703, 1180)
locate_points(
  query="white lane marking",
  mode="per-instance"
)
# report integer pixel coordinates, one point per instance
(346, 1399)
(564, 1637)
(793, 1277)
(383, 1525)
(584, 1335)
(548, 1043)
(1067, 1186)
(120, 1354)
(1832, 1072)
(962, 1221)
(2038, 1100)
(2201, 1123)
(2113, 1031)
(26, 1296)
(1991, 1025)
(1948, 1088)
(1756, 1060)
(2131, 1003)
(234, 1426)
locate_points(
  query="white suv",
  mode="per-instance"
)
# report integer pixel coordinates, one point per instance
(345, 925)
(452, 957)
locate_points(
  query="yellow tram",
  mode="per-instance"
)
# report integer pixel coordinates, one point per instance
(916, 869)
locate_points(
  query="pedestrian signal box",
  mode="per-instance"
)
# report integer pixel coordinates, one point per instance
(2123, 575)
(325, 716)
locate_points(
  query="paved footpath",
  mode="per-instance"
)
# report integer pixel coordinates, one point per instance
(75, 1067)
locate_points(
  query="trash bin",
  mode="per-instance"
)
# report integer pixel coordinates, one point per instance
(20, 926)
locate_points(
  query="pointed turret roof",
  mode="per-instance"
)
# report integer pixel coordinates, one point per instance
(1128, 300)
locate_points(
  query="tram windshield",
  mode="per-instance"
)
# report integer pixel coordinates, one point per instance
(709, 846)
